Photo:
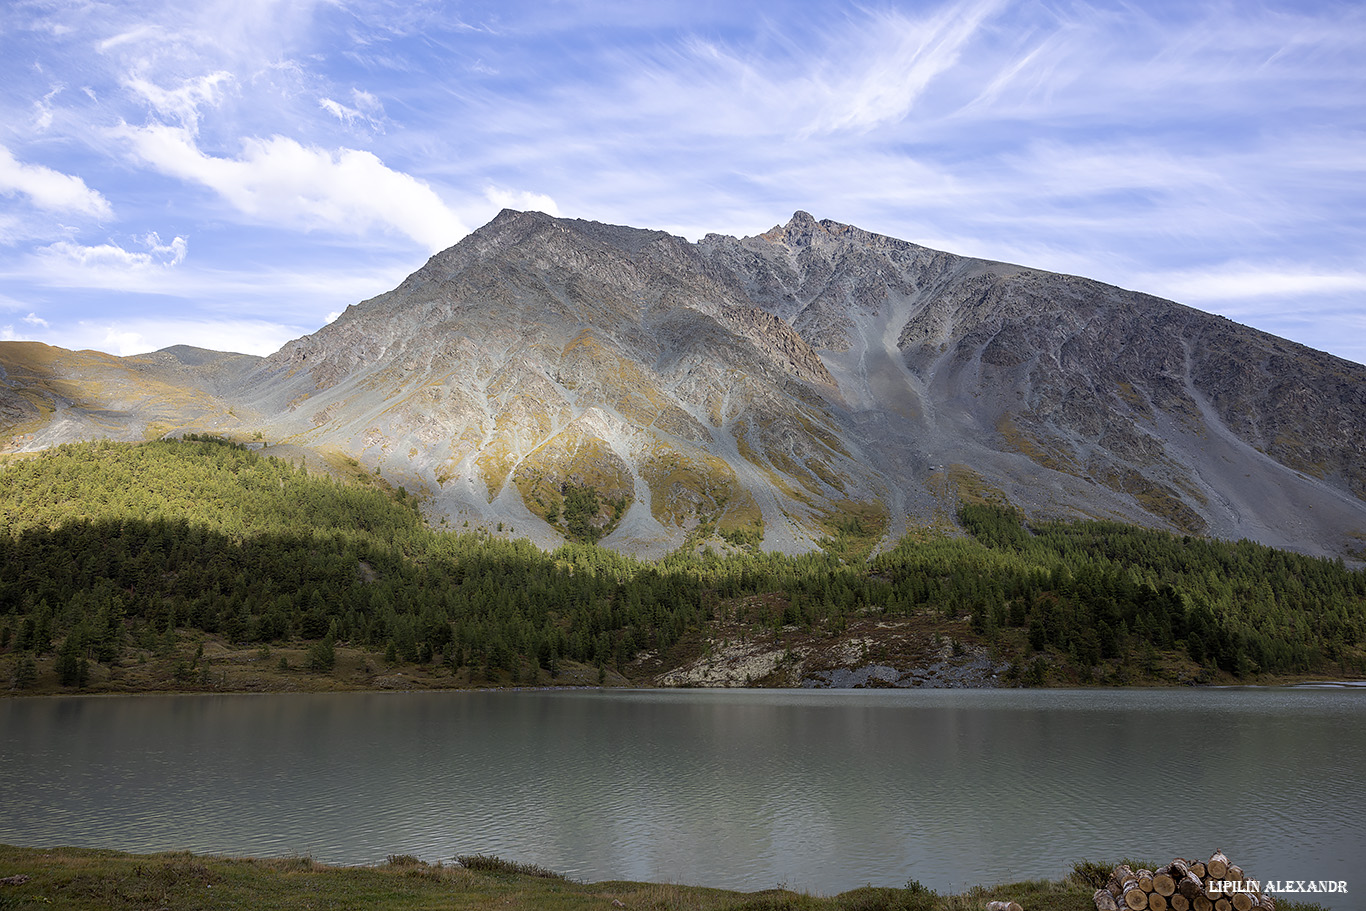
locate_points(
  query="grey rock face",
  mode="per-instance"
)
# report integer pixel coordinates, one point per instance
(572, 379)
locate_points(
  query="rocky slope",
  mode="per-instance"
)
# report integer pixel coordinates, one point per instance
(572, 379)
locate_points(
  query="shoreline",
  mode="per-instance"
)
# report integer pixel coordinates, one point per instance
(918, 652)
(642, 687)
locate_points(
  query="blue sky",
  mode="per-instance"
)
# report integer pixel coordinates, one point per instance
(233, 174)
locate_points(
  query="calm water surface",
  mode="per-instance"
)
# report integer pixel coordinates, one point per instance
(822, 791)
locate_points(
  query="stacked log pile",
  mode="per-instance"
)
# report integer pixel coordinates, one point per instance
(1182, 885)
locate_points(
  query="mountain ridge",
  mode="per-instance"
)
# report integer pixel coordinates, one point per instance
(762, 390)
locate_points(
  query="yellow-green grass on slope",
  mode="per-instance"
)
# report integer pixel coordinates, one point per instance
(91, 880)
(854, 529)
(572, 473)
(1048, 454)
(971, 488)
(697, 485)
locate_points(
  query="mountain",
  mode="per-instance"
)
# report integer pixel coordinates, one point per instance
(556, 378)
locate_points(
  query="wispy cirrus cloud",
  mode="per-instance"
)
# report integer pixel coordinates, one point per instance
(898, 60)
(365, 109)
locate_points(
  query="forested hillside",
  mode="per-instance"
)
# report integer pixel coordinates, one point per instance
(114, 555)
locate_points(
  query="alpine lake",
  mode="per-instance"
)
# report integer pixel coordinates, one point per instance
(815, 790)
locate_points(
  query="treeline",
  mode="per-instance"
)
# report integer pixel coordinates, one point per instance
(1099, 590)
(107, 547)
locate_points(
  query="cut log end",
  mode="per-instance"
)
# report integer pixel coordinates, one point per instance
(1163, 884)
(1179, 902)
(1217, 867)
(1104, 900)
(1134, 898)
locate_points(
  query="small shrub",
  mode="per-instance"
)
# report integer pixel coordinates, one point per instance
(488, 863)
(1091, 874)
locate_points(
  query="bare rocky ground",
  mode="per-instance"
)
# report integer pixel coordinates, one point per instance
(922, 651)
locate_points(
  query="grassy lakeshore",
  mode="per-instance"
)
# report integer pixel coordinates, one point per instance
(78, 879)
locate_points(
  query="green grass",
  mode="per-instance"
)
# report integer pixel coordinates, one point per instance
(80, 879)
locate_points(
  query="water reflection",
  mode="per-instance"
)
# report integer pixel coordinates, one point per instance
(824, 791)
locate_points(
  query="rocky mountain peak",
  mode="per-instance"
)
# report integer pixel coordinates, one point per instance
(767, 390)
(800, 231)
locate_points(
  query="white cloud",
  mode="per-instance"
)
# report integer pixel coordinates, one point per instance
(367, 110)
(49, 189)
(137, 336)
(281, 180)
(110, 260)
(123, 337)
(523, 200)
(121, 342)
(183, 102)
(34, 319)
